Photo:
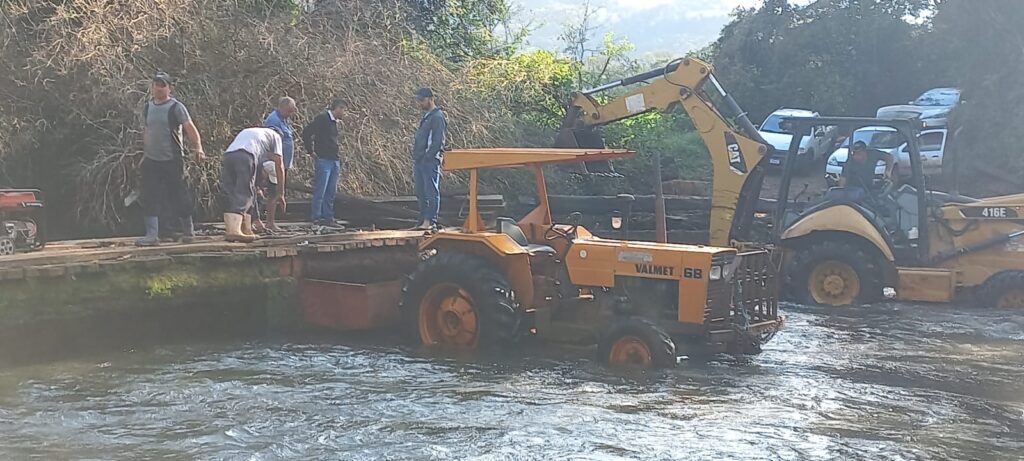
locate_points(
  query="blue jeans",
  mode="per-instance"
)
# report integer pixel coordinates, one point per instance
(426, 177)
(325, 186)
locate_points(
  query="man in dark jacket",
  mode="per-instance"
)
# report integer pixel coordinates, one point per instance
(321, 140)
(427, 153)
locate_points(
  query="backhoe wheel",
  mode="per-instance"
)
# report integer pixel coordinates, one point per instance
(637, 343)
(1004, 290)
(460, 300)
(834, 274)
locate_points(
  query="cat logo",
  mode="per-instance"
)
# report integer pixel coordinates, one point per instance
(736, 161)
(655, 270)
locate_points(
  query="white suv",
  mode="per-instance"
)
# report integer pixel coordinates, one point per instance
(812, 146)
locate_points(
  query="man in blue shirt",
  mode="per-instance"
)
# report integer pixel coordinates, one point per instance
(427, 155)
(279, 119)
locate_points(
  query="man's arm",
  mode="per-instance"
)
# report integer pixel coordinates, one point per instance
(191, 132)
(890, 163)
(435, 140)
(279, 167)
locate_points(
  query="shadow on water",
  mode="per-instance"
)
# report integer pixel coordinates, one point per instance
(885, 382)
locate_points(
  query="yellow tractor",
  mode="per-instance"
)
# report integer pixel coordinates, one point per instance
(642, 303)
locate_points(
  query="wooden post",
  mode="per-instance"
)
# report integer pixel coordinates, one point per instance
(660, 226)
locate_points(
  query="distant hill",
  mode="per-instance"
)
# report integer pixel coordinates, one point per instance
(654, 26)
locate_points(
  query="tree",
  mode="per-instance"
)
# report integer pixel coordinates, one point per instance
(834, 56)
(594, 62)
(461, 30)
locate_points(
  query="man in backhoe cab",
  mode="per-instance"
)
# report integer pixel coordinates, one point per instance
(859, 173)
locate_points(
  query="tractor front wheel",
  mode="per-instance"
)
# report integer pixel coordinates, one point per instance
(1004, 290)
(460, 300)
(637, 343)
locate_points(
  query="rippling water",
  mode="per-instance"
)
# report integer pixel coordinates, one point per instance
(888, 382)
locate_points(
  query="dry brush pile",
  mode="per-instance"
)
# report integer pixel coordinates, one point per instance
(75, 74)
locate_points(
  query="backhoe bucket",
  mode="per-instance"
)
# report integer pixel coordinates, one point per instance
(569, 138)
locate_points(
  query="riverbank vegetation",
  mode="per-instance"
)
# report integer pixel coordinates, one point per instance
(75, 73)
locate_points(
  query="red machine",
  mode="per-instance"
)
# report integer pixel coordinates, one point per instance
(21, 220)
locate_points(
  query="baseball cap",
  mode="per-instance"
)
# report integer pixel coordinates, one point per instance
(424, 93)
(163, 77)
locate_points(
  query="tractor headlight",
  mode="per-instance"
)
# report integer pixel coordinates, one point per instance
(715, 273)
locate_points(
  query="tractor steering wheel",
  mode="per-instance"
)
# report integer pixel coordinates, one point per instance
(554, 232)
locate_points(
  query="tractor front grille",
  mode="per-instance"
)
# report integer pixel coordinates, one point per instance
(749, 295)
(756, 281)
(718, 308)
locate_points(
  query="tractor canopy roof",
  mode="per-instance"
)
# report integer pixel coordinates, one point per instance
(468, 159)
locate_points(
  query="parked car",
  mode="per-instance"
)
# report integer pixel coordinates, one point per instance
(932, 142)
(813, 146)
(933, 106)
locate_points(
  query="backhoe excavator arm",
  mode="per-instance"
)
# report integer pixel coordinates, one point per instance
(736, 148)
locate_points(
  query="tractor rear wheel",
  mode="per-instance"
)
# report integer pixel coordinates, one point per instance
(1004, 290)
(834, 274)
(637, 343)
(460, 300)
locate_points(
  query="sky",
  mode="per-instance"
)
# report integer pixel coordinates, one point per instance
(670, 27)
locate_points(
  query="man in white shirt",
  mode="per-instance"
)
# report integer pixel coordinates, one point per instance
(251, 147)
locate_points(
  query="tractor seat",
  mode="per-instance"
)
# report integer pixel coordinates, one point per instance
(509, 227)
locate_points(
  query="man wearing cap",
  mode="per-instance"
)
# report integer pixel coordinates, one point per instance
(251, 147)
(859, 173)
(427, 154)
(320, 137)
(279, 119)
(164, 192)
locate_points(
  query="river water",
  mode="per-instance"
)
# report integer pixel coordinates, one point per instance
(887, 382)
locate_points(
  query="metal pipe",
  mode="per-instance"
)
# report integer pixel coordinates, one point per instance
(738, 115)
(635, 78)
(779, 220)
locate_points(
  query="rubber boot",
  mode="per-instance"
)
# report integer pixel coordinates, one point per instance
(233, 228)
(188, 230)
(247, 227)
(152, 237)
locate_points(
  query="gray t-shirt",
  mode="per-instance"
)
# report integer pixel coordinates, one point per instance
(162, 140)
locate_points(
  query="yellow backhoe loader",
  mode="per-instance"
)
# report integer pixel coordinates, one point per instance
(642, 303)
(926, 245)
(836, 254)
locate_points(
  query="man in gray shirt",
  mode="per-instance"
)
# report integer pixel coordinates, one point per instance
(164, 191)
